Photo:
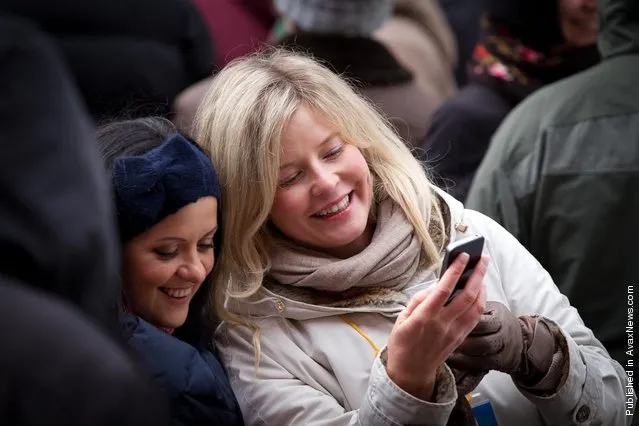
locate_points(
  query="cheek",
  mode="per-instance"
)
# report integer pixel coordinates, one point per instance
(142, 277)
(360, 170)
(288, 205)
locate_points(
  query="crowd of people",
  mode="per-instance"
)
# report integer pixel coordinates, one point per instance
(236, 212)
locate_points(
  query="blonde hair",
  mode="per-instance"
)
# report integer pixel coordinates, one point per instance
(241, 121)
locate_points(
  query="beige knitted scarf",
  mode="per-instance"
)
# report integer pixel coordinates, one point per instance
(391, 260)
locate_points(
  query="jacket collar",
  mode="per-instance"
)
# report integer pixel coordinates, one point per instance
(362, 59)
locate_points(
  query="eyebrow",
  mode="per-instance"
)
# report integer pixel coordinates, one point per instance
(210, 233)
(324, 142)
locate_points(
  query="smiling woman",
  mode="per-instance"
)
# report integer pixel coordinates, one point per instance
(326, 188)
(164, 267)
(167, 197)
(335, 307)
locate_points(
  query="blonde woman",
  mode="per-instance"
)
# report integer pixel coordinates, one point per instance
(335, 310)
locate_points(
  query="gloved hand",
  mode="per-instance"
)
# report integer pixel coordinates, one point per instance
(522, 347)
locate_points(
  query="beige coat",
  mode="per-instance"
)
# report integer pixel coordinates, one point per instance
(316, 369)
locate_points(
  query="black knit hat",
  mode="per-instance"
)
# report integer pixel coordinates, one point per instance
(154, 185)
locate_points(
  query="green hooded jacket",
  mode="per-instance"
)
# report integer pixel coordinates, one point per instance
(562, 175)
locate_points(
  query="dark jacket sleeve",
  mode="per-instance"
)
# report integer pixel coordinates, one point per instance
(56, 221)
(194, 380)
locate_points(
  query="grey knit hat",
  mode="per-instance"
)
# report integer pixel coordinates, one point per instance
(350, 17)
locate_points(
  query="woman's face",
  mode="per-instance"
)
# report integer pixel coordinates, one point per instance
(579, 21)
(166, 265)
(325, 192)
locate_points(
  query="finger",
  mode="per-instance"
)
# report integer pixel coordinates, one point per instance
(444, 288)
(482, 298)
(415, 301)
(469, 295)
(480, 307)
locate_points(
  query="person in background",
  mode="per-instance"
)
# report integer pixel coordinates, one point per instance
(128, 58)
(167, 198)
(404, 66)
(237, 27)
(330, 284)
(524, 46)
(463, 17)
(399, 55)
(562, 174)
(56, 225)
(419, 36)
(60, 363)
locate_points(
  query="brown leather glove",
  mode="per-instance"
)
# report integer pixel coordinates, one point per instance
(522, 347)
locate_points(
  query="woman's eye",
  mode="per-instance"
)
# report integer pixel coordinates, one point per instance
(205, 246)
(290, 180)
(166, 252)
(334, 152)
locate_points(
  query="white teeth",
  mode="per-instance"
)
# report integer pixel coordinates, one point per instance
(336, 208)
(176, 292)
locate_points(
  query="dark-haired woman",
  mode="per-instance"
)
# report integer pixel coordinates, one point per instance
(167, 198)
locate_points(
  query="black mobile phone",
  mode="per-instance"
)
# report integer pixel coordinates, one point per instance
(473, 245)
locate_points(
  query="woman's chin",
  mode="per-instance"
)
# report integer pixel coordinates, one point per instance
(173, 321)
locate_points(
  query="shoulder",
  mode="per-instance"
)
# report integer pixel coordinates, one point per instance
(503, 249)
(563, 103)
(174, 362)
(183, 371)
(276, 335)
(466, 221)
(472, 105)
(498, 239)
(551, 129)
(474, 110)
(163, 354)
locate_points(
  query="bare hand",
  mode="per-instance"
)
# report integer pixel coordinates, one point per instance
(427, 332)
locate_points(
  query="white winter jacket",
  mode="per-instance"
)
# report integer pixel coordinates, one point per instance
(321, 365)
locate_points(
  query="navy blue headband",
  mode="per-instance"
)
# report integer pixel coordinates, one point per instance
(151, 186)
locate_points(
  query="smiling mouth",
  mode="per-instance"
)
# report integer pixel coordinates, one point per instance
(337, 208)
(177, 293)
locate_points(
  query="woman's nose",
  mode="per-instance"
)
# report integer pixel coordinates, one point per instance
(192, 271)
(325, 181)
